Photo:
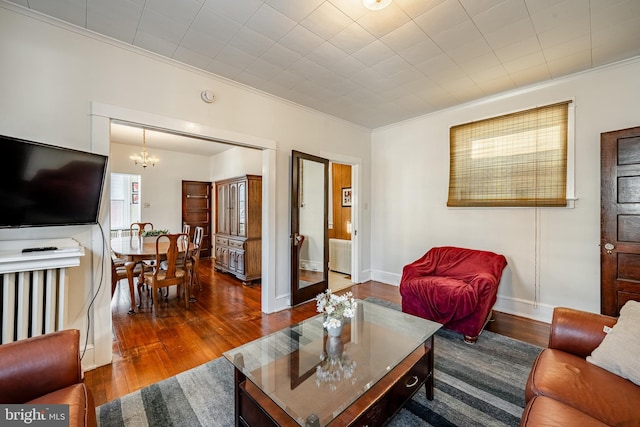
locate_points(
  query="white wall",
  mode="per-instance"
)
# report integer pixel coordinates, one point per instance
(410, 185)
(236, 162)
(52, 72)
(161, 185)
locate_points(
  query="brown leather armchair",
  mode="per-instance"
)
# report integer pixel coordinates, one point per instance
(46, 370)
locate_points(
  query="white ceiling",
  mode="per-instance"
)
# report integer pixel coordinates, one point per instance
(372, 68)
(161, 140)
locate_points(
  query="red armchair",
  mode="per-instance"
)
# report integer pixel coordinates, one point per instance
(453, 286)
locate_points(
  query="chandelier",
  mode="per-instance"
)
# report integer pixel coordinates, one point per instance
(376, 4)
(144, 158)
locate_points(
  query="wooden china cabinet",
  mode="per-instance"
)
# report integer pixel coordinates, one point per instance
(238, 243)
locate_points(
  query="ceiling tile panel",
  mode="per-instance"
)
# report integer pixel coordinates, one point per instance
(191, 57)
(518, 49)
(239, 11)
(326, 54)
(421, 52)
(214, 24)
(392, 66)
(295, 10)
(510, 34)
(301, 40)
(442, 17)
(373, 53)
(415, 8)
(326, 21)
(201, 43)
(354, 9)
(249, 41)
(352, 38)
(502, 13)
(118, 18)
(404, 37)
(280, 55)
(571, 63)
(153, 43)
(162, 27)
(347, 67)
(235, 57)
(380, 23)
(270, 23)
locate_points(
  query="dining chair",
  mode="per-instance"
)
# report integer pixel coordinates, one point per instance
(194, 259)
(137, 228)
(186, 228)
(172, 273)
(119, 271)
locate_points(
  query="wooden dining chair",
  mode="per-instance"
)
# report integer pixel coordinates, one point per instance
(137, 228)
(194, 259)
(119, 271)
(186, 229)
(173, 272)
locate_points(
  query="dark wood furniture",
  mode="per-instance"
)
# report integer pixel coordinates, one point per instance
(382, 361)
(238, 242)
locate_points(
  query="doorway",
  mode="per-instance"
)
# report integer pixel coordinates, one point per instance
(340, 225)
(126, 191)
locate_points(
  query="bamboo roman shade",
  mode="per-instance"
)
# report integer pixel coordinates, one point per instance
(518, 159)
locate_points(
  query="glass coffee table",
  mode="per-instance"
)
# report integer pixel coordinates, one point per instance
(301, 376)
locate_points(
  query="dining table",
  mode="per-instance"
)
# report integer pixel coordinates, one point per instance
(139, 249)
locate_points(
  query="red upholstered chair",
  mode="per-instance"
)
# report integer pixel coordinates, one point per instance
(453, 286)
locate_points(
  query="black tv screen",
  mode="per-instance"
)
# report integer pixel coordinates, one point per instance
(43, 185)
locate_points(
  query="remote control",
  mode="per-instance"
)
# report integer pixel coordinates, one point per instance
(46, 248)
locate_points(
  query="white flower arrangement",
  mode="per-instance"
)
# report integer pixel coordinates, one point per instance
(336, 307)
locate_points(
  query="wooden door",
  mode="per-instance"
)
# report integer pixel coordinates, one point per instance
(196, 211)
(620, 219)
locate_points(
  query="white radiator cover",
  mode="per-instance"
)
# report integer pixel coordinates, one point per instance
(33, 287)
(340, 255)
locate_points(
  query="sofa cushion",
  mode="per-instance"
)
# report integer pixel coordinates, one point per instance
(542, 411)
(586, 387)
(81, 405)
(618, 352)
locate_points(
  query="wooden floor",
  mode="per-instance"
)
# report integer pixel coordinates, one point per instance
(148, 348)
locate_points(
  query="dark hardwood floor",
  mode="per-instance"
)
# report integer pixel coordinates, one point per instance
(148, 348)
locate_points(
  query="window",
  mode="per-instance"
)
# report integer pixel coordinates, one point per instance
(518, 159)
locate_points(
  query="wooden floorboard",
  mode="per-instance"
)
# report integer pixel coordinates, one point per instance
(148, 347)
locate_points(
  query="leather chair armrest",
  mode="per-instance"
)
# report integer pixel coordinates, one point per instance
(37, 366)
(578, 332)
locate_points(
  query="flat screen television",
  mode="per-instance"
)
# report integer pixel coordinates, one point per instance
(44, 185)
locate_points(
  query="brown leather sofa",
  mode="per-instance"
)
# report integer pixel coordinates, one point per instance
(564, 389)
(47, 370)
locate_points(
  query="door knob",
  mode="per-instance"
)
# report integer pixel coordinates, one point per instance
(608, 247)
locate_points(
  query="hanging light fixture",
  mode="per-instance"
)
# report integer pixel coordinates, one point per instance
(376, 4)
(144, 158)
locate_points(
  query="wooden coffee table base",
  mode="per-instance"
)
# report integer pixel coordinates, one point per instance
(373, 408)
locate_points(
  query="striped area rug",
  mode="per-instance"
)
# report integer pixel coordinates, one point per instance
(476, 385)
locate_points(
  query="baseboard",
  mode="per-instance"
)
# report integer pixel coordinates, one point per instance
(385, 277)
(524, 308)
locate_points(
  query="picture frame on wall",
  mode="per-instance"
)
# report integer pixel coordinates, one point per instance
(135, 186)
(346, 197)
(135, 199)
